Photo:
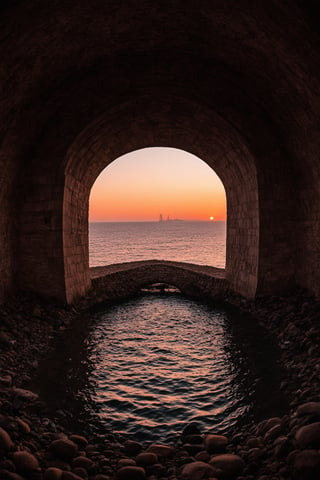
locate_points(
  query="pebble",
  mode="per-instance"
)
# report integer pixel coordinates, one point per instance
(215, 443)
(131, 473)
(308, 435)
(161, 450)
(146, 458)
(25, 462)
(64, 449)
(197, 471)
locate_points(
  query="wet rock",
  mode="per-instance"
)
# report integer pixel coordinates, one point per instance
(64, 449)
(5, 440)
(131, 473)
(215, 443)
(25, 462)
(308, 435)
(146, 458)
(161, 450)
(193, 449)
(227, 466)
(53, 473)
(197, 471)
(306, 465)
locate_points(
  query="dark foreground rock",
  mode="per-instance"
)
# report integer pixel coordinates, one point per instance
(35, 446)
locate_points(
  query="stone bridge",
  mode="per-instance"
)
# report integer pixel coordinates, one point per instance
(114, 282)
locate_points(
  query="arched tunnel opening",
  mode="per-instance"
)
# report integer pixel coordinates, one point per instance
(127, 199)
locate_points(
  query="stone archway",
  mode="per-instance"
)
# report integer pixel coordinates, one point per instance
(237, 88)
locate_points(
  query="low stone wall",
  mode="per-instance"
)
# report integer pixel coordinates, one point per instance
(123, 280)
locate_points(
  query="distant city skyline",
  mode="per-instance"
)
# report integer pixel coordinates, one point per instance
(141, 185)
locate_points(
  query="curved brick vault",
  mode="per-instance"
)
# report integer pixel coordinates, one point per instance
(235, 83)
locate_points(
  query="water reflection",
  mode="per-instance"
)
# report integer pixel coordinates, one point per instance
(150, 365)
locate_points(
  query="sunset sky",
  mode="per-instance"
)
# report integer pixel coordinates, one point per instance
(141, 185)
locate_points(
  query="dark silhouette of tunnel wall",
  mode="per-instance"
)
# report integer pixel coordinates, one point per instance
(235, 83)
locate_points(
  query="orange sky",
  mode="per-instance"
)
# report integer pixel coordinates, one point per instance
(140, 185)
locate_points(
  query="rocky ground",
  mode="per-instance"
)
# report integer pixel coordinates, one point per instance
(34, 445)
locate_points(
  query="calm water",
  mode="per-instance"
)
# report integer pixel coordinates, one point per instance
(194, 242)
(148, 366)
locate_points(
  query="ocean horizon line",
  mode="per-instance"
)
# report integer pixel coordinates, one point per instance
(156, 221)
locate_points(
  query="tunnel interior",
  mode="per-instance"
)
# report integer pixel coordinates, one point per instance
(235, 84)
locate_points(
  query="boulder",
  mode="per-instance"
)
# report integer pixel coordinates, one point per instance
(215, 443)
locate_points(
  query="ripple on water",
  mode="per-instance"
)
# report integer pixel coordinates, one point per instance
(150, 365)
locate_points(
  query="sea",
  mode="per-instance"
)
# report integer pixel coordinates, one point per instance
(203, 243)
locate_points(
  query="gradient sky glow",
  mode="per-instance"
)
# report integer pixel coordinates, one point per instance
(142, 184)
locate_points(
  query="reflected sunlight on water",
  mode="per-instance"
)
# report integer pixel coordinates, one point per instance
(150, 365)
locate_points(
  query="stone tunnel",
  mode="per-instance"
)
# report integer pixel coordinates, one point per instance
(235, 83)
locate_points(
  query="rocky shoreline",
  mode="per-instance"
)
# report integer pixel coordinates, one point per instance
(35, 446)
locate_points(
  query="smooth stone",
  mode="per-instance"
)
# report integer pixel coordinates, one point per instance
(5, 440)
(202, 456)
(64, 449)
(306, 465)
(53, 473)
(272, 433)
(131, 473)
(161, 450)
(83, 462)
(228, 464)
(215, 443)
(146, 459)
(25, 462)
(308, 435)
(81, 441)
(310, 408)
(197, 471)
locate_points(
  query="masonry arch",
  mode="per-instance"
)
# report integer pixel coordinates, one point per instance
(113, 135)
